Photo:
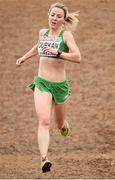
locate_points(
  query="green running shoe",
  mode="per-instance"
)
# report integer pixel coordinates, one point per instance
(46, 165)
(65, 129)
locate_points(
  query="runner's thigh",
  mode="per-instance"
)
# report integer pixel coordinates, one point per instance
(43, 102)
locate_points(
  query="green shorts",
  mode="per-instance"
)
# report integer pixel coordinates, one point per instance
(60, 90)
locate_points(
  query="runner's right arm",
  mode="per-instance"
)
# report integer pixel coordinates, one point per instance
(29, 54)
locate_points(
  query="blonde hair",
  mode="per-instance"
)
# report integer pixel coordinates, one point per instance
(71, 19)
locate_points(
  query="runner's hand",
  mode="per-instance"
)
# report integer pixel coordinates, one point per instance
(19, 61)
(49, 50)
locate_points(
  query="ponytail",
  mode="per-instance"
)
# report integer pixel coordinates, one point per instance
(71, 21)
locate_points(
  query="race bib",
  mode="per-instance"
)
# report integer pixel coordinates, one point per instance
(53, 43)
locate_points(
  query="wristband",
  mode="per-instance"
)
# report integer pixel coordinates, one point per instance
(58, 53)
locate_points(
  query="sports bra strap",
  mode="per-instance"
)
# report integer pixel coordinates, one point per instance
(61, 33)
(47, 33)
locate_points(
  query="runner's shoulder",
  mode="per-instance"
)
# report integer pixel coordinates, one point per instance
(68, 33)
(42, 32)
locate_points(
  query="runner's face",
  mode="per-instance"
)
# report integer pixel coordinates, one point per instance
(56, 18)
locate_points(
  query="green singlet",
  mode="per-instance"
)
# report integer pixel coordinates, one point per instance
(56, 43)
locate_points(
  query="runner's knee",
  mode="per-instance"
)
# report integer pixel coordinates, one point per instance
(44, 120)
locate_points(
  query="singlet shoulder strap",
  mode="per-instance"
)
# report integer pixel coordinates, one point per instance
(61, 33)
(47, 33)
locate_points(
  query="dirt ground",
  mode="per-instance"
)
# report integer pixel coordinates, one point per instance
(89, 151)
